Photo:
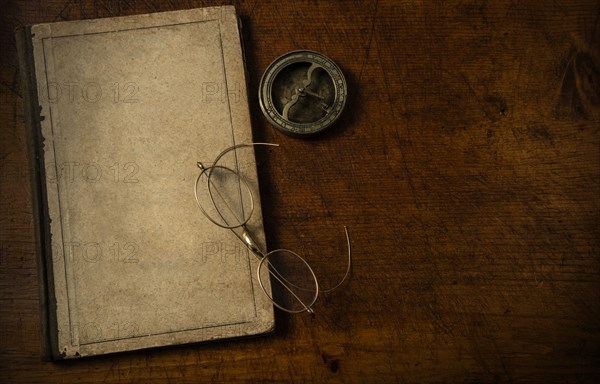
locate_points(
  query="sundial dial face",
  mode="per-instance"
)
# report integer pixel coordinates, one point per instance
(302, 93)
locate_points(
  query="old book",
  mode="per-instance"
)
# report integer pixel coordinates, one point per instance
(119, 110)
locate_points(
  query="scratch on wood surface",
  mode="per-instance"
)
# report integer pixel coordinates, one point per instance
(367, 49)
(166, 374)
(111, 370)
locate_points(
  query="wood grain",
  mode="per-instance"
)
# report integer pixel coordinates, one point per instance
(467, 167)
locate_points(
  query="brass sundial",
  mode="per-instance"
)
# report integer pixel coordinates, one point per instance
(302, 93)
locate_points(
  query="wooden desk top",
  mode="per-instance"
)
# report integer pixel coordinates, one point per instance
(467, 167)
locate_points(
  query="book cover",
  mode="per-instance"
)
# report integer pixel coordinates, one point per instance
(119, 110)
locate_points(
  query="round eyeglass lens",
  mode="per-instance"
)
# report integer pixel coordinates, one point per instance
(293, 283)
(224, 196)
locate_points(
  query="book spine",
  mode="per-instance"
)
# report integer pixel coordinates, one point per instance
(41, 219)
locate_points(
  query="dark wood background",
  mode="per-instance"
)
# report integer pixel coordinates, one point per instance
(466, 165)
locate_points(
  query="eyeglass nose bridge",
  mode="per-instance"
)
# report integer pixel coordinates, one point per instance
(251, 243)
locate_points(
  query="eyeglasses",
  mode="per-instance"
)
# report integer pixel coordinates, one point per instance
(224, 195)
